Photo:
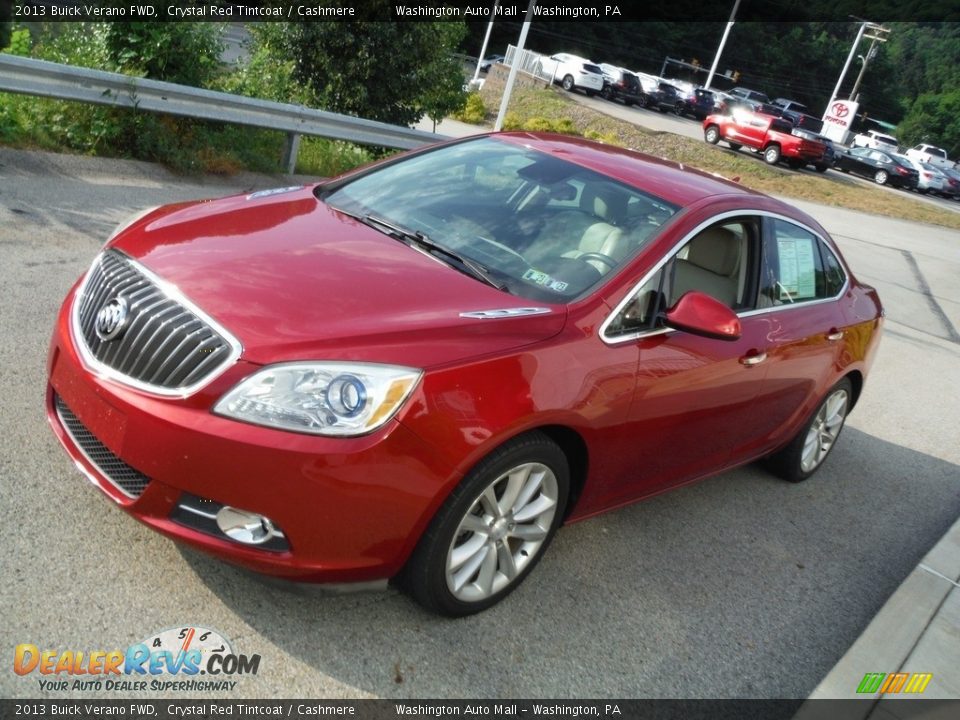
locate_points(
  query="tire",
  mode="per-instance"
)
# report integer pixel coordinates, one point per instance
(606, 93)
(771, 154)
(881, 177)
(567, 83)
(712, 134)
(464, 561)
(810, 447)
(734, 146)
(642, 101)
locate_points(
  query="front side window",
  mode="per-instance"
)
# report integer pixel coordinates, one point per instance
(720, 261)
(541, 227)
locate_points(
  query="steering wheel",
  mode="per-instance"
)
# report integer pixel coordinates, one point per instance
(500, 246)
(599, 257)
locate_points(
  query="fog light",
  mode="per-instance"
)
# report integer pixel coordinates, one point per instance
(246, 527)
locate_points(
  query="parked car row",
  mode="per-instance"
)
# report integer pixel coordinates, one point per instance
(780, 130)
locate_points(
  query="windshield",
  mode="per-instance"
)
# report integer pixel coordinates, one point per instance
(542, 227)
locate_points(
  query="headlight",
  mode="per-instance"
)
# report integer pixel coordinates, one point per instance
(130, 221)
(322, 398)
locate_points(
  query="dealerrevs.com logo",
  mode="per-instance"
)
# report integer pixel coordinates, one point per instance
(170, 660)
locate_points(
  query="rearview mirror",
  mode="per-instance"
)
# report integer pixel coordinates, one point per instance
(699, 314)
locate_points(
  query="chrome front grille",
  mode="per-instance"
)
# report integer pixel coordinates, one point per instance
(164, 345)
(129, 481)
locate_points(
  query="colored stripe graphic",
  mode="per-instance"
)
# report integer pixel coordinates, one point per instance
(884, 683)
(871, 683)
(918, 683)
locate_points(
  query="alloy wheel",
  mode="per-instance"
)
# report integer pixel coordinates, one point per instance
(824, 430)
(502, 532)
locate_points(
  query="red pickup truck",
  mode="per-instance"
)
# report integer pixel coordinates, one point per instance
(770, 135)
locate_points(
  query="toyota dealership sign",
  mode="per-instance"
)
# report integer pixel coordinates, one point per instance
(837, 119)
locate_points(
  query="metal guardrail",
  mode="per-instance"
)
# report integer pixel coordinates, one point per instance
(66, 82)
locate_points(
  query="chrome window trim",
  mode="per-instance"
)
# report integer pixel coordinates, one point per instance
(172, 292)
(621, 306)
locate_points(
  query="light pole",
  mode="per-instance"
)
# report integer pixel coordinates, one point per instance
(486, 39)
(723, 41)
(505, 100)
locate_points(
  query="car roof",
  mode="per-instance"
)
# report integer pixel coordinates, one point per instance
(668, 180)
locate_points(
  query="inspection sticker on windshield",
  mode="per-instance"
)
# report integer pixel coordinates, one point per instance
(541, 278)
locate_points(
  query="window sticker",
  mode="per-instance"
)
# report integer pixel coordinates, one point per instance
(797, 268)
(541, 278)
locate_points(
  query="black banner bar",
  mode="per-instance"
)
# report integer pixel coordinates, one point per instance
(158, 709)
(478, 10)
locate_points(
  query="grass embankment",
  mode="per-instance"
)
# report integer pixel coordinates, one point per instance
(549, 109)
(183, 145)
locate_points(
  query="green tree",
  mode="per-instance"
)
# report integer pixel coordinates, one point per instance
(935, 119)
(393, 72)
(187, 53)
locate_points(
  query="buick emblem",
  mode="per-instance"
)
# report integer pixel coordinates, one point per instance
(112, 319)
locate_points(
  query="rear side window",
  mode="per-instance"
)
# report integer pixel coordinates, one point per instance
(798, 267)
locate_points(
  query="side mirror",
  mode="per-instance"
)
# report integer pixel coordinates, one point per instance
(700, 314)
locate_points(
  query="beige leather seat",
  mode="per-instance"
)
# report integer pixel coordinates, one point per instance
(712, 266)
(608, 209)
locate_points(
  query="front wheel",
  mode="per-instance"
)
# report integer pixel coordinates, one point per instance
(810, 447)
(712, 135)
(881, 177)
(492, 530)
(771, 155)
(568, 83)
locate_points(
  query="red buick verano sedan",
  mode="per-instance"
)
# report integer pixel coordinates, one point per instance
(419, 370)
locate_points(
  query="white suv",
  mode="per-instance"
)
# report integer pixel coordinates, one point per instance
(877, 141)
(574, 73)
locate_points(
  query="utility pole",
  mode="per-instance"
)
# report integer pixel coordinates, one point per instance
(843, 73)
(879, 35)
(723, 41)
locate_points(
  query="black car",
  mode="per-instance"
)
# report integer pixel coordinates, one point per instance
(885, 168)
(622, 85)
(699, 104)
(664, 98)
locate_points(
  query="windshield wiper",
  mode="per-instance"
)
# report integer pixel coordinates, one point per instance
(423, 242)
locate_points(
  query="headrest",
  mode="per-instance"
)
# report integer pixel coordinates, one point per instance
(605, 203)
(715, 249)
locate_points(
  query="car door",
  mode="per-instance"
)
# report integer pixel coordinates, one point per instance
(801, 283)
(692, 406)
(753, 130)
(860, 162)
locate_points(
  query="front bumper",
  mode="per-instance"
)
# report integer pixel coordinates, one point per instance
(350, 509)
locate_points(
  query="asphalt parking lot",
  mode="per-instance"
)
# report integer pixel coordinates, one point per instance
(739, 586)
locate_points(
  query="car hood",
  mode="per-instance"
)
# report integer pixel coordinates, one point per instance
(294, 279)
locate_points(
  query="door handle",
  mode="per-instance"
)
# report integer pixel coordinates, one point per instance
(833, 335)
(753, 359)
